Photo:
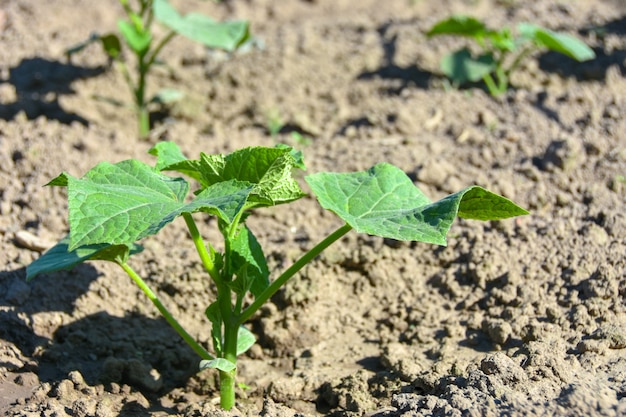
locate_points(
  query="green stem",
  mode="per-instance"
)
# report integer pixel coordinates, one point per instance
(291, 271)
(227, 379)
(205, 257)
(143, 115)
(491, 85)
(168, 316)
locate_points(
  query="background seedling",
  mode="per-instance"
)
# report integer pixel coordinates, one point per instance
(137, 34)
(114, 206)
(502, 52)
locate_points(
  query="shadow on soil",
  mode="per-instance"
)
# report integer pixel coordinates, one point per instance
(144, 353)
(38, 85)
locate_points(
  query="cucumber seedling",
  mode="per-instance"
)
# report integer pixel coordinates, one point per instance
(114, 206)
(501, 51)
(136, 33)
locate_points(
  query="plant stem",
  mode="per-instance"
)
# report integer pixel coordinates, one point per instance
(164, 311)
(205, 257)
(227, 379)
(291, 271)
(143, 115)
(491, 85)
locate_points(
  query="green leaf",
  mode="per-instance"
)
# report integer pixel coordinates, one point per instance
(459, 25)
(220, 364)
(298, 156)
(383, 201)
(224, 200)
(167, 96)
(502, 40)
(245, 340)
(461, 66)
(111, 45)
(249, 261)
(558, 42)
(121, 203)
(269, 169)
(167, 153)
(138, 41)
(60, 258)
(214, 315)
(223, 35)
(170, 158)
(480, 204)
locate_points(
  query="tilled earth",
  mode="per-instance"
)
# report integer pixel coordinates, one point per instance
(518, 317)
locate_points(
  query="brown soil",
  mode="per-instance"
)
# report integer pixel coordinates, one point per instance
(518, 317)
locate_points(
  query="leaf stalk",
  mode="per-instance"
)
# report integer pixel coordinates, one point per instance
(291, 271)
(165, 312)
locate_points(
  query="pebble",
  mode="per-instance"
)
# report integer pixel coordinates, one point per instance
(28, 240)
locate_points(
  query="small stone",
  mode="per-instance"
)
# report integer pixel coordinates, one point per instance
(77, 379)
(504, 367)
(30, 241)
(498, 331)
(435, 172)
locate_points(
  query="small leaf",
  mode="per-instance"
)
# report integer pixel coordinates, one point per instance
(383, 201)
(138, 41)
(214, 315)
(170, 158)
(459, 25)
(269, 169)
(111, 45)
(220, 364)
(60, 258)
(248, 258)
(223, 35)
(462, 67)
(167, 96)
(245, 340)
(502, 40)
(167, 153)
(298, 156)
(557, 42)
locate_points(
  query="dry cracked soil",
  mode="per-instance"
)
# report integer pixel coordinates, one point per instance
(517, 317)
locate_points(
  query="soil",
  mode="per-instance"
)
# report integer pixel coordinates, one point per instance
(519, 317)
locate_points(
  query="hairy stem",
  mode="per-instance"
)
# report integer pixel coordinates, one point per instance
(165, 312)
(291, 271)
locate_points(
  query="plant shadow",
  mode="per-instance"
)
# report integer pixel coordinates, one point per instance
(39, 83)
(399, 77)
(142, 352)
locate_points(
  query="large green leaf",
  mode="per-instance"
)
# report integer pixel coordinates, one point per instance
(223, 35)
(383, 201)
(121, 203)
(461, 66)
(60, 258)
(269, 169)
(558, 42)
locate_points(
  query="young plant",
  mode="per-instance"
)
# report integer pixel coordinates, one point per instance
(114, 206)
(137, 34)
(502, 52)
